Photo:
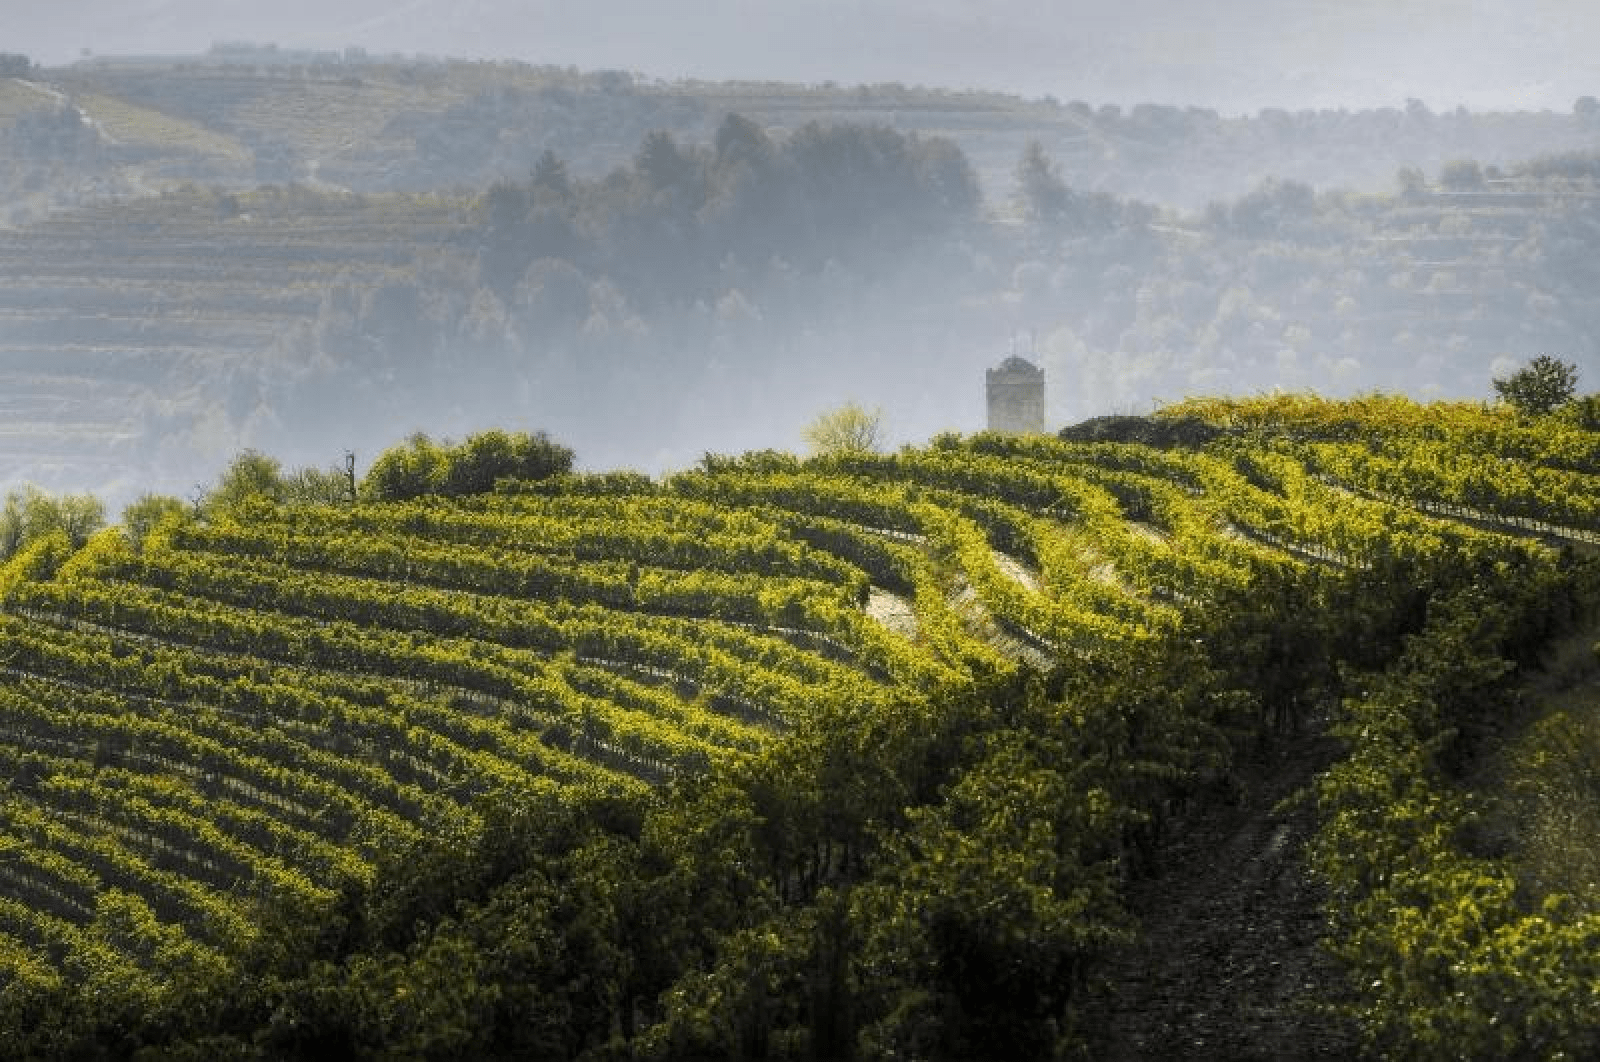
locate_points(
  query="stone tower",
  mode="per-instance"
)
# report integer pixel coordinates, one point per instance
(1016, 397)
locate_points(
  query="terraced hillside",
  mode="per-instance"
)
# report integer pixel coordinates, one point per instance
(139, 340)
(131, 334)
(233, 725)
(371, 125)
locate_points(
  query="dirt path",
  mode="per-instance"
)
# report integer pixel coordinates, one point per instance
(1228, 965)
(896, 613)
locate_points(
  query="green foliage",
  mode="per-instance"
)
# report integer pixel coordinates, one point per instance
(482, 460)
(1041, 191)
(850, 429)
(30, 514)
(1555, 780)
(664, 228)
(991, 907)
(1273, 209)
(475, 466)
(254, 478)
(532, 968)
(39, 558)
(1445, 960)
(753, 1003)
(1050, 205)
(148, 512)
(856, 756)
(317, 486)
(1583, 411)
(1542, 386)
(1461, 175)
(407, 471)
(250, 476)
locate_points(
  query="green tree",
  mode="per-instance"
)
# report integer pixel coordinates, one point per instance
(414, 468)
(421, 466)
(475, 465)
(251, 475)
(394, 316)
(80, 515)
(850, 429)
(316, 486)
(1461, 175)
(1542, 386)
(742, 142)
(551, 178)
(30, 513)
(1413, 184)
(143, 516)
(668, 171)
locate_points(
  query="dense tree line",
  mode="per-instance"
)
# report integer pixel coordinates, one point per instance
(1456, 277)
(457, 123)
(473, 466)
(31, 514)
(1187, 156)
(499, 133)
(690, 270)
(686, 222)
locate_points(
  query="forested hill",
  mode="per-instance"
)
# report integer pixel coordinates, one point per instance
(857, 756)
(714, 296)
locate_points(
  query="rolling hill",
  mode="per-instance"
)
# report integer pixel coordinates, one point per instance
(777, 758)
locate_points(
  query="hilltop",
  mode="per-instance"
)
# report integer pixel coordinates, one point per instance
(855, 756)
(243, 115)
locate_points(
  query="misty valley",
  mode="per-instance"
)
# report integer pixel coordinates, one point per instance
(203, 259)
(511, 562)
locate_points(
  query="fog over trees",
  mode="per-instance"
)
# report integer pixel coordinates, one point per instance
(306, 254)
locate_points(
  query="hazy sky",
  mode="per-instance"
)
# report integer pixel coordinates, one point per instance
(1236, 55)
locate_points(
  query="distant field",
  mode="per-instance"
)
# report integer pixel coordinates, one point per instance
(20, 97)
(128, 123)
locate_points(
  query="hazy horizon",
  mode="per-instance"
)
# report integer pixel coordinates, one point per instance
(155, 374)
(1237, 56)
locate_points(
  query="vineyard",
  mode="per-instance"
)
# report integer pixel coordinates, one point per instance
(961, 687)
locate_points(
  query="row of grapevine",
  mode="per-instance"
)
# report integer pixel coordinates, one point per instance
(261, 706)
(1467, 428)
(249, 709)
